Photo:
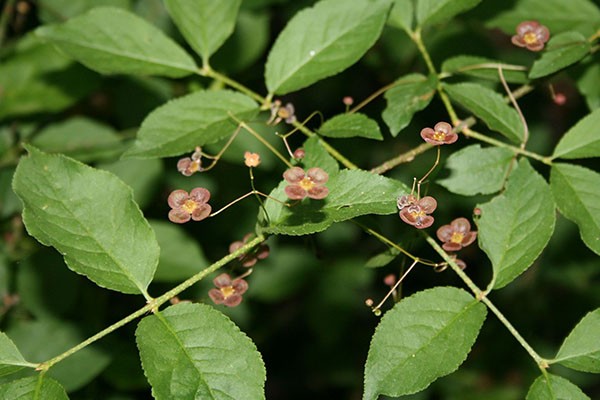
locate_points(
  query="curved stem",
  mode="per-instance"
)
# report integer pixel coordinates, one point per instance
(263, 141)
(153, 305)
(516, 106)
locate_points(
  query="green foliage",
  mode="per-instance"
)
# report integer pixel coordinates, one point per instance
(489, 106)
(111, 41)
(516, 225)
(477, 171)
(426, 336)
(576, 190)
(483, 67)
(11, 359)
(402, 15)
(580, 141)
(193, 351)
(351, 125)
(581, 350)
(436, 11)
(75, 209)
(340, 33)
(33, 388)
(552, 387)
(563, 50)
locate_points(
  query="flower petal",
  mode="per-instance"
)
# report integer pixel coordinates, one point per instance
(222, 280)
(201, 212)
(317, 175)
(461, 225)
(295, 192)
(425, 222)
(428, 204)
(179, 216)
(451, 246)
(469, 238)
(177, 198)
(240, 286)
(216, 296)
(294, 175)
(318, 192)
(200, 195)
(233, 300)
(444, 233)
(235, 245)
(443, 127)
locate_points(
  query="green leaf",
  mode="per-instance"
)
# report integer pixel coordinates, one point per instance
(194, 120)
(581, 349)
(74, 372)
(515, 226)
(485, 68)
(425, 336)
(489, 106)
(33, 388)
(410, 94)
(402, 15)
(552, 387)
(477, 171)
(77, 209)
(322, 41)
(351, 125)
(205, 24)
(576, 191)
(582, 140)
(436, 11)
(588, 84)
(557, 15)
(111, 41)
(50, 11)
(192, 351)
(11, 359)
(351, 193)
(180, 255)
(80, 138)
(382, 259)
(563, 50)
(317, 156)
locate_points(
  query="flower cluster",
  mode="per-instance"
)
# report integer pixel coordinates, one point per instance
(303, 184)
(416, 212)
(186, 206)
(228, 292)
(250, 259)
(531, 35)
(440, 134)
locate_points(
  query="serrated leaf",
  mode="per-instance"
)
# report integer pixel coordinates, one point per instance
(588, 84)
(582, 140)
(11, 359)
(576, 191)
(515, 226)
(197, 119)
(351, 125)
(557, 15)
(425, 336)
(436, 11)
(33, 388)
(489, 106)
(552, 387)
(563, 50)
(486, 68)
(111, 41)
(322, 41)
(410, 94)
(77, 210)
(192, 351)
(477, 171)
(402, 15)
(180, 255)
(317, 156)
(581, 349)
(80, 138)
(205, 24)
(351, 193)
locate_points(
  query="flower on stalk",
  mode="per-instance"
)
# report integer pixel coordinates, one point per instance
(416, 214)
(440, 134)
(405, 201)
(189, 206)
(531, 35)
(228, 292)
(189, 165)
(249, 259)
(279, 113)
(303, 184)
(456, 235)
(251, 159)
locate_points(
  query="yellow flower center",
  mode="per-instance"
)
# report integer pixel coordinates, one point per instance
(530, 38)
(416, 214)
(439, 135)
(189, 206)
(283, 113)
(227, 291)
(306, 183)
(457, 237)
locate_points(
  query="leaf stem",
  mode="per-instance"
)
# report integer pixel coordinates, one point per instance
(211, 73)
(401, 159)
(330, 149)
(154, 304)
(263, 141)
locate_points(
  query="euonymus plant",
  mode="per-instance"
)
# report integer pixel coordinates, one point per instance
(384, 198)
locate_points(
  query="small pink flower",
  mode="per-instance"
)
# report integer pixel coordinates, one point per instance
(348, 101)
(299, 153)
(440, 134)
(405, 201)
(251, 159)
(456, 235)
(189, 206)
(306, 184)
(279, 113)
(228, 292)
(531, 35)
(189, 165)
(416, 214)
(249, 259)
